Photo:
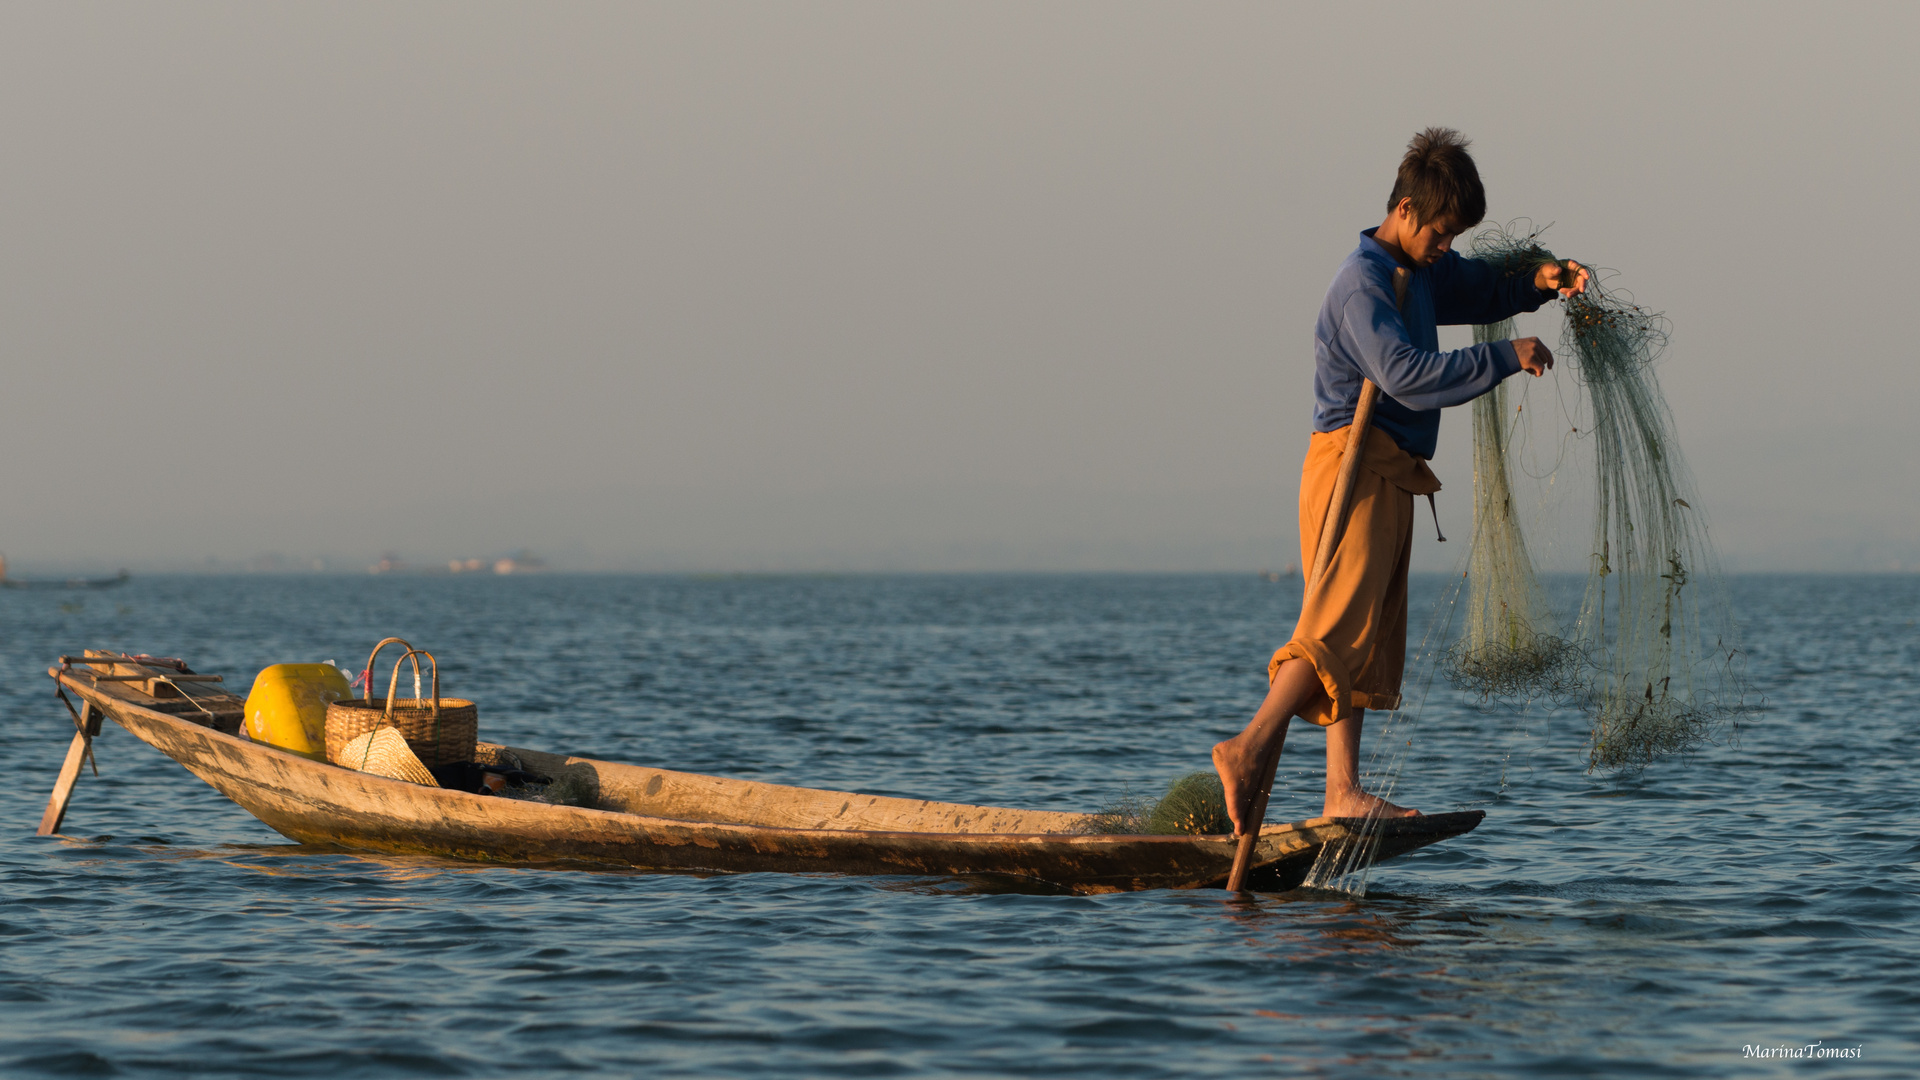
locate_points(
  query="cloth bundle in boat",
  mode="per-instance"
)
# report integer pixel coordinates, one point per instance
(439, 731)
(384, 752)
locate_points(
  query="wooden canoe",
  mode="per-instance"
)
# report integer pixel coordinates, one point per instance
(659, 819)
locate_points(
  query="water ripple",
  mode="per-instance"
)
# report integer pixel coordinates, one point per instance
(1761, 893)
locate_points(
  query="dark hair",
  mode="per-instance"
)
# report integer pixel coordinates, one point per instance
(1438, 175)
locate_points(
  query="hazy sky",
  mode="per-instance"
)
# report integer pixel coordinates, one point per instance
(890, 286)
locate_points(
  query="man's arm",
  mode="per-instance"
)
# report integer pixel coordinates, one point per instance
(1419, 379)
(1470, 291)
(1473, 291)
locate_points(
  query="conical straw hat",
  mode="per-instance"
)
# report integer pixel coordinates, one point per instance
(384, 752)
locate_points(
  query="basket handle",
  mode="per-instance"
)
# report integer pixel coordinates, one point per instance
(393, 684)
(371, 657)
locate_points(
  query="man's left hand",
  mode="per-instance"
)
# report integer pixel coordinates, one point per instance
(1565, 278)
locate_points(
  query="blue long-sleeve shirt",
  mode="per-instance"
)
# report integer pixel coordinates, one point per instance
(1363, 334)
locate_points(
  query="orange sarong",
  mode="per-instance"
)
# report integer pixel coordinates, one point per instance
(1353, 629)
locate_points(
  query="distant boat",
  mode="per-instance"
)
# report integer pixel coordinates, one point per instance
(70, 583)
(520, 562)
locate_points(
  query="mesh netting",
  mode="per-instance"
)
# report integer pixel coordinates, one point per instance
(1654, 617)
(1125, 815)
(1508, 648)
(1652, 655)
(1196, 803)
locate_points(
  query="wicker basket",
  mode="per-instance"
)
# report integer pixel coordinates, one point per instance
(439, 731)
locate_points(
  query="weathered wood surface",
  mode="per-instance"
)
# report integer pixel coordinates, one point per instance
(140, 684)
(666, 820)
(152, 679)
(56, 811)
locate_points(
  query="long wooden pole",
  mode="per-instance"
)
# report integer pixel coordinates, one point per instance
(1331, 529)
(77, 750)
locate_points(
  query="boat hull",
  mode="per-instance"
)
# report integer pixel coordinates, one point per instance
(317, 803)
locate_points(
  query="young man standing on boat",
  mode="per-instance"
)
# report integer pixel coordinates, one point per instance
(1379, 323)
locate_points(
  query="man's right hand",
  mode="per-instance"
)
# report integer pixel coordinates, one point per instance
(1535, 359)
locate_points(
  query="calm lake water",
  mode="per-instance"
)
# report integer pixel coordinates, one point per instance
(1761, 894)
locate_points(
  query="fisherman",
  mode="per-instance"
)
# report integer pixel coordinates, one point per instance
(1379, 322)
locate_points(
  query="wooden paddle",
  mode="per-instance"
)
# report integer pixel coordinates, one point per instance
(1330, 530)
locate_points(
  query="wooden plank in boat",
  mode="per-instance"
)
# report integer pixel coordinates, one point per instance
(208, 704)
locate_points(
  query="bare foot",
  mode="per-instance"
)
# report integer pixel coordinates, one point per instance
(1239, 768)
(1357, 803)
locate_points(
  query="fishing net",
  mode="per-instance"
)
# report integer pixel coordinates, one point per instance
(1508, 648)
(1654, 618)
(1651, 656)
(1195, 804)
(1126, 815)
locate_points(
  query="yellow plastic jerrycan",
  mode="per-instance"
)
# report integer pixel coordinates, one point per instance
(288, 706)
